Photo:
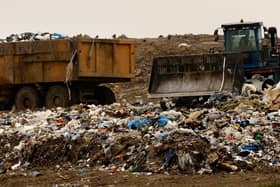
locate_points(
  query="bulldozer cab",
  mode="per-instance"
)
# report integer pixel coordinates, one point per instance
(242, 37)
(245, 38)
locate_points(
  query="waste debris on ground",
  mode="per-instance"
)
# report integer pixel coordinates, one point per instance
(30, 36)
(230, 133)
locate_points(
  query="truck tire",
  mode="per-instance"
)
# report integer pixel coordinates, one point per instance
(104, 95)
(57, 96)
(27, 98)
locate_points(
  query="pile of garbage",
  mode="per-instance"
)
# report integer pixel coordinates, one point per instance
(30, 36)
(229, 133)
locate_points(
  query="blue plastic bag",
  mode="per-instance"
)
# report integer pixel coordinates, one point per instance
(138, 123)
(134, 124)
(169, 156)
(251, 147)
(162, 121)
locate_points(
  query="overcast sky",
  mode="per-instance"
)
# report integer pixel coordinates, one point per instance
(135, 18)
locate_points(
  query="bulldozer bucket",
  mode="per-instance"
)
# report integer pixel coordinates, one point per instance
(195, 75)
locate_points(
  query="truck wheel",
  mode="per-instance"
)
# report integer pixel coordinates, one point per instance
(57, 96)
(27, 98)
(104, 95)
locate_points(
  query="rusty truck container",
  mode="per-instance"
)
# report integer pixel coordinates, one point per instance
(41, 65)
(46, 61)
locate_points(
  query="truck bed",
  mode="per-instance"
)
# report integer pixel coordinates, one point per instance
(99, 60)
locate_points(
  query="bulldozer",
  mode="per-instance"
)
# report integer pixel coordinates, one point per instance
(251, 54)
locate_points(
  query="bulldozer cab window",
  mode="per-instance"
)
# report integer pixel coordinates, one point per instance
(241, 40)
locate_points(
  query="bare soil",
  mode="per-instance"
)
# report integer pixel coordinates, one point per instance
(73, 177)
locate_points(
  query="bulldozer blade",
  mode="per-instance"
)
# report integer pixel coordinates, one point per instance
(195, 75)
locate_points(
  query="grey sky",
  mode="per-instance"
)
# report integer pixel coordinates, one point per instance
(135, 18)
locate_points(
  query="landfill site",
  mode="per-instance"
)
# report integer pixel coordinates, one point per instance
(223, 138)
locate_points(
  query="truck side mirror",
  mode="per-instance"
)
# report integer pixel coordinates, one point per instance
(216, 35)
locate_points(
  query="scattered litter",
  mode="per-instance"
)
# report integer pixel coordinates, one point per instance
(29, 36)
(35, 173)
(236, 133)
(83, 170)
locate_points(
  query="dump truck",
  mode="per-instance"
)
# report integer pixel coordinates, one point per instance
(247, 57)
(62, 72)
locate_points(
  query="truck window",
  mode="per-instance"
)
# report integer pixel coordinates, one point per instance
(241, 40)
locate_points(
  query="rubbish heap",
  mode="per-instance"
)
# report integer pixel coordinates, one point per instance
(30, 36)
(229, 133)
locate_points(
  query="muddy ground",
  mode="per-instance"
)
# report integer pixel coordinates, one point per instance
(73, 177)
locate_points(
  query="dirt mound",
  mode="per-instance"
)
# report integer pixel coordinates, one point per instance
(56, 151)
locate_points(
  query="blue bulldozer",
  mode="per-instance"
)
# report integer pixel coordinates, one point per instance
(251, 54)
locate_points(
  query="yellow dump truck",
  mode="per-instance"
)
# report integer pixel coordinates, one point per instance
(61, 72)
